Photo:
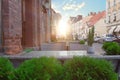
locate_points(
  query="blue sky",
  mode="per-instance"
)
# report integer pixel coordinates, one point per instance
(69, 8)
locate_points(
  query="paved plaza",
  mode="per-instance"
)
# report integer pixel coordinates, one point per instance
(74, 46)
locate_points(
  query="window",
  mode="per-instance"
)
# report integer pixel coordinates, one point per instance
(114, 17)
(114, 2)
(109, 19)
(108, 4)
(119, 5)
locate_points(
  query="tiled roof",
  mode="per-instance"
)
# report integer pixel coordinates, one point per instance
(96, 18)
(76, 19)
(85, 20)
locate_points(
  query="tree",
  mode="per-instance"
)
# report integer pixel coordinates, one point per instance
(90, 39)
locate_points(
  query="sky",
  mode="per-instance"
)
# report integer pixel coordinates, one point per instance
(69, 8)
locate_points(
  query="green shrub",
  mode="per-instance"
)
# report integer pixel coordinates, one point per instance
(28, 50)
(90, 37)
(111, 48)
(6, 69)
(85, 68)
(82, 42)
(106, 45)
(39, 69)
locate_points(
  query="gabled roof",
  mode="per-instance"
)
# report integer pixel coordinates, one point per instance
(85, 20)
(96, 18)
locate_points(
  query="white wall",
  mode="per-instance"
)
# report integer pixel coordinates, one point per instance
(100, 27)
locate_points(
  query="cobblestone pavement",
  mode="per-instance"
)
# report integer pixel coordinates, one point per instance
(73, 47)
(98, 48)
(53, 46)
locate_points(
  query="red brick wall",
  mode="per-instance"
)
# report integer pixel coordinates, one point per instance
(28, 24)
(35, 24)
(31, 24)
(0, 30)
(30, 31)
(12, 25)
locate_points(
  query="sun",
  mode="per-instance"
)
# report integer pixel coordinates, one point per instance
(62, 28)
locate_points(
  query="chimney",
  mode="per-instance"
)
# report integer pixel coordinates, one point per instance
(79, 16)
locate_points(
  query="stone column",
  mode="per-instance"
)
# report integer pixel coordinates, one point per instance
(31, 24)
(38, 23)
(49, 18)
(35, 23)
(12, 26)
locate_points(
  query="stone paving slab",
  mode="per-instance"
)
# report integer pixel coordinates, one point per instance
(61, 54)
(56, 54)
(53, 47)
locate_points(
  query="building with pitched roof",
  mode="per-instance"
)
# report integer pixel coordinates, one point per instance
(81, 28)
(84, 26)
(98, 22)
(75, 26)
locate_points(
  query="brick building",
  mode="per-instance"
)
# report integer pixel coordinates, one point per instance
(25, 24)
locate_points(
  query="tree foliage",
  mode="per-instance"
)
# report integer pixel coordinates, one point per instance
(90, 39)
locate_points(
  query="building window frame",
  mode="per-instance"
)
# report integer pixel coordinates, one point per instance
(109, 19)
(114, 3)
(108, 4)
(114, 17)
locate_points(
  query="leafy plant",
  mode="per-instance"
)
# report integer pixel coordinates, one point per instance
(111, 48)
(6, 69)
(106, 45)
(82, 42)
(85, 68)
(39, 69)
(28, 50)
(90, 39)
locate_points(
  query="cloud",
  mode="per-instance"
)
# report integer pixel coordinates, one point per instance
(73, 6)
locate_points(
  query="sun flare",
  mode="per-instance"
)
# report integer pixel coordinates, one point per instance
(62, 28)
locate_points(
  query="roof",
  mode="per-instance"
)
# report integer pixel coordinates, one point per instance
(85, 20)
(96, 18)
(76, 19)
